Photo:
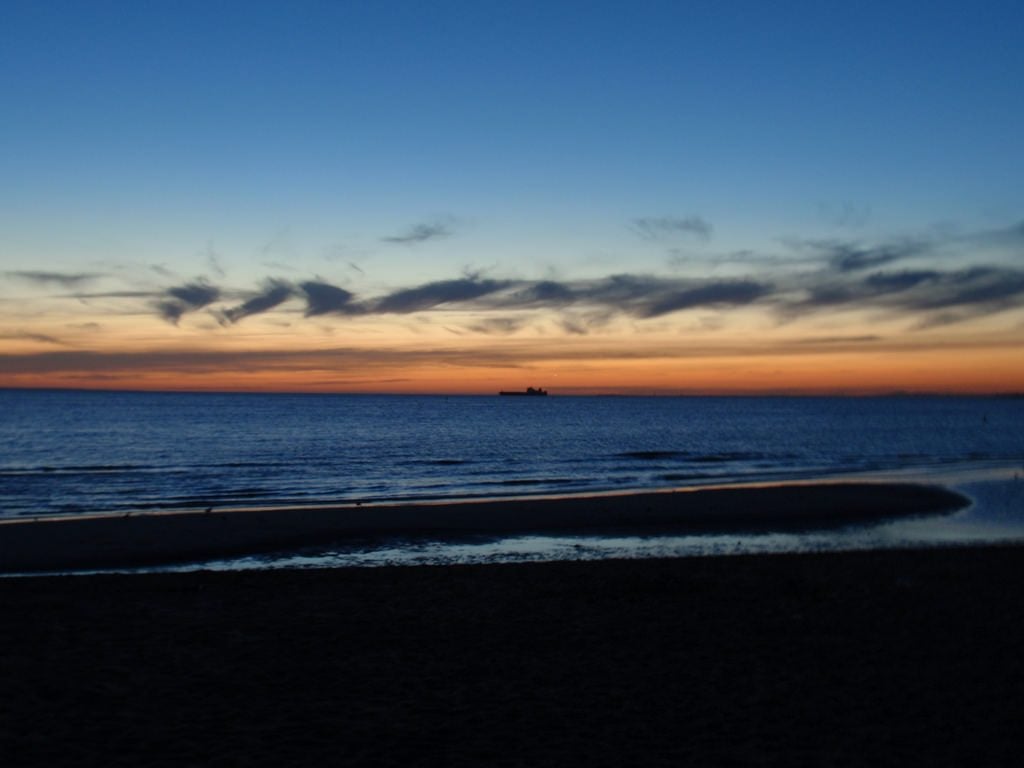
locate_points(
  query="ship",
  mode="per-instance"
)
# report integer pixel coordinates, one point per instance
(528, 392)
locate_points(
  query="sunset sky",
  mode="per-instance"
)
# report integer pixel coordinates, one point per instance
(646, 197)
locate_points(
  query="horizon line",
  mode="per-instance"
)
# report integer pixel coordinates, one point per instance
(565, 393)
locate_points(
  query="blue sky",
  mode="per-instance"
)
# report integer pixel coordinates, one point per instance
(378, 146)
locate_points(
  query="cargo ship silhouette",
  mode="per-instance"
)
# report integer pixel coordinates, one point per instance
(528, 392)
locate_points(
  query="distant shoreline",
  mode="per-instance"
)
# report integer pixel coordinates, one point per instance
(152, 538)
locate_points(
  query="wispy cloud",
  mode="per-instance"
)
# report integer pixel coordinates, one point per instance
(420, 233)
(161, 270)
(834, 340)
(213, 260)
(662, 228)
(1011, 236)
(63, 279)
(845, 256)
(42, 338)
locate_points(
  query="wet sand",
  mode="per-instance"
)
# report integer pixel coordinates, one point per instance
(881, 658)
(99, 541)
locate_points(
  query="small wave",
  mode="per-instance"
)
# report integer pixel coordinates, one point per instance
(716, 458)
(250, 464)
(682, 477)
(652, 455)
(700, 458)
(438, 462)
(540, 481)
(84, 469)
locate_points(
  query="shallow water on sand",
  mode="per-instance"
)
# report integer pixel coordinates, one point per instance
(996, 515)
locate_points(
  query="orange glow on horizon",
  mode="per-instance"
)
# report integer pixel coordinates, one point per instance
(978, 371)
(426, 356)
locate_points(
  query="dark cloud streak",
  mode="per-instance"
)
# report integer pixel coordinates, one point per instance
(323, 298)
(960, 294)
(435, 294)
(186, 298)
(726, 293)
(274, 292)
(63, 279)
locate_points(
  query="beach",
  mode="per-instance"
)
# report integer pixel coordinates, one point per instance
(883, 658)
(83, 541)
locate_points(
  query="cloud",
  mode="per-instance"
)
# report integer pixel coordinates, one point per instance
(420, 233)
(724, 293)
(113, 295)
(545, 293)
(821, 276)
(435, 294)
(894, 282)
(213, 260)
(28, 336)
(937, 297)
(63, 279)
(648, 296)
(186, 298)
(280, 266)
(323, 298)
(498, 325)
(1012, 237)
(574, 325)
(982, 288)
(853, 257)
(830, 340)
(660, 228)
(274, 292)
(642, 296)
(958, 294)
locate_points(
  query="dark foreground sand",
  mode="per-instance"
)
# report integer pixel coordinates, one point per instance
(875, 658)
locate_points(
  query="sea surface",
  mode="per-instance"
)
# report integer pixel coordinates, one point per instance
(74, 452)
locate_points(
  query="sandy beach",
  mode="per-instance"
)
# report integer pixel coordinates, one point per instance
(125, 540)
(881, 658)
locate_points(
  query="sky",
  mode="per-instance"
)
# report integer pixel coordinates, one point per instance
(461, 197)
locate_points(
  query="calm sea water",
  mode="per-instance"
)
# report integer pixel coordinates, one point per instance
(66, 452)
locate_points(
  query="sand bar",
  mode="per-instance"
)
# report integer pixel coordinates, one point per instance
(100, 541)
(844, 659)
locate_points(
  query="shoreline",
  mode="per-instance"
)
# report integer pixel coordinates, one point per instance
(156, 538)
(841, 658)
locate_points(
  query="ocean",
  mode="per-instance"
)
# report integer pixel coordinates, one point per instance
(72, 452)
